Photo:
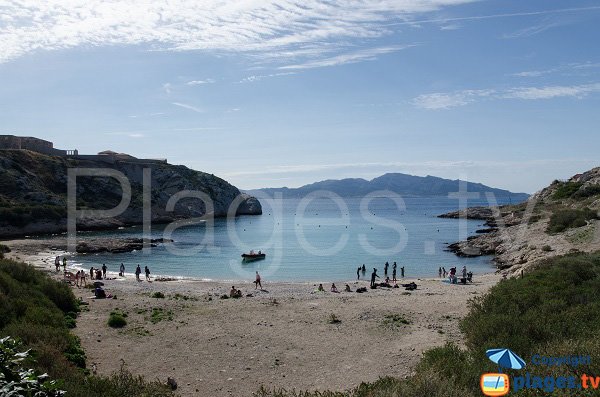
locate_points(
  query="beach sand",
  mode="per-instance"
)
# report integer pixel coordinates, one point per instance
(279, 338)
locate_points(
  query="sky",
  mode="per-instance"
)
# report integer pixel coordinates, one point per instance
(283, 93)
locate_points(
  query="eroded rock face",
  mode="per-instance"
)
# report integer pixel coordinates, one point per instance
(518, 236)
(29, 180)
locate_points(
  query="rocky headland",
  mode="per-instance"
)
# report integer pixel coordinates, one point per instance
(560, 219)
(33, 193)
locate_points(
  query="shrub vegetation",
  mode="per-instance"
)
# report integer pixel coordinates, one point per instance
(564, 219)
(39, 312)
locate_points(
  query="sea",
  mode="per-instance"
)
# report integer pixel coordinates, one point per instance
(316, 239)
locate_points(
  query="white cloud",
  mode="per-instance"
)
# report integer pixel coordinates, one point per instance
(304, 28)
(533, 30)
(441, 100)
(564, 68)
(452, 26)
(200, 82)
(188, 107)
(167, 88)
(254, 78)
(351, 57)
(577, 91)
(532, 73)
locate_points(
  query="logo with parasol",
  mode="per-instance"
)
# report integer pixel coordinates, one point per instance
(498, 384)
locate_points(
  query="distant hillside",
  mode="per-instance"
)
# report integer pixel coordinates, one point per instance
(33, 193)
(403, 184)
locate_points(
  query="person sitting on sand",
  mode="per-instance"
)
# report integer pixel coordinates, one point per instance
(320, 289)
(347, 288)
(233, 292)
(334, 288)
(99, 293)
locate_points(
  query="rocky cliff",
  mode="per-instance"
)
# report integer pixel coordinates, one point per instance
(560, 219)
(33, 193)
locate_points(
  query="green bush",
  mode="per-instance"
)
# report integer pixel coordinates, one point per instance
(18, 380)
(158, 295)
(566, 190)
(4, 249)
(120, 384)
(25, 214)
(564, 219)
(39, 311)
(588, 191)
(116, 319)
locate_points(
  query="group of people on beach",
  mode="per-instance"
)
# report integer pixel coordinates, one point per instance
(138, 271)
(237, 293)
(98, 273)
(362, 269)
(466, 276)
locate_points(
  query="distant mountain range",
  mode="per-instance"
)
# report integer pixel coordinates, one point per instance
(403, 184)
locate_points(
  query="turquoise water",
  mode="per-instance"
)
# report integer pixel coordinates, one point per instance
(321, 240)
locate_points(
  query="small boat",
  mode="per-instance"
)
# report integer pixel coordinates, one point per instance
(253, 256)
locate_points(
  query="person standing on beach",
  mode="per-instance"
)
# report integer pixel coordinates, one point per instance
(385, 268)
(358, 273)
(394, 272)
(402, 272)
(64, 263)
(122, 270)
(440, 272)
(138, 270)
(57, 263)
(92, 273)
(464, 272)
(257, 281)
(104, 270)
(444, 272)
(373, 275)
(147, 271)
(364, 269)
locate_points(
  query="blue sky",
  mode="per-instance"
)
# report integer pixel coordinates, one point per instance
(268, 94)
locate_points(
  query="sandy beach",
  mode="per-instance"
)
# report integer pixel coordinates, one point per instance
(280, 337)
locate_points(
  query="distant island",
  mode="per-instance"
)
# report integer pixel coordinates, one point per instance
(403, 184)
